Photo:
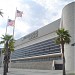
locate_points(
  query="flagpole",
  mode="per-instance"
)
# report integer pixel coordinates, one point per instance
(13, 30)
(6, 26)
(6, 30)
(19, 15)
(14, 23)
(15, 20)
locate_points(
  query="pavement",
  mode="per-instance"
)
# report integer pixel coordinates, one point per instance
(14, 71)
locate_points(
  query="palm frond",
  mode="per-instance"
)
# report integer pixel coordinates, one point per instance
(63, 36)
(1, 13)
(10, 40)
(2, 42)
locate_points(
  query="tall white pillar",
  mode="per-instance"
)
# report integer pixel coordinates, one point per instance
(69, 24)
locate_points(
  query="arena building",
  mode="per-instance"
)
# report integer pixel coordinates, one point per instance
(38, 49)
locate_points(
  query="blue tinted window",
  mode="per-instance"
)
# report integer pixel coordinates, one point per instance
(41, 48)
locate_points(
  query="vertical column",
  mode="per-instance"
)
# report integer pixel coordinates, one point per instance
(68, 24)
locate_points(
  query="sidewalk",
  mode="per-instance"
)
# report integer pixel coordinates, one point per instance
(13, 71)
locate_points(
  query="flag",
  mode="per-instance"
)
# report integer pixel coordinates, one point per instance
(19, 13)
(11, 22)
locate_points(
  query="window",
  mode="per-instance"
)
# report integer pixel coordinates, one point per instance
(41, 48)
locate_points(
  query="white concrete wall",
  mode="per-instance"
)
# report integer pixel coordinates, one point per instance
(74, 36)
(44, 33)
(68, 23)
(46, 65)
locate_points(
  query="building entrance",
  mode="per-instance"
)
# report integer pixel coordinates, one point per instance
(58, 66)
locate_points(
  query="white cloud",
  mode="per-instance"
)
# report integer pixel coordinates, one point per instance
(9, 8)
(48, 4)
(53, 9)
(2, 31)
(24, 25)
(45, 22)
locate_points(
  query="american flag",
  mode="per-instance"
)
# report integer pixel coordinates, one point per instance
(19, 13)
(11, 22)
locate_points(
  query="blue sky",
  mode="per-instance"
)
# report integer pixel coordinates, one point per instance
(36, 14)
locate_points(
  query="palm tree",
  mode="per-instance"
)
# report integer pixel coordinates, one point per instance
(1, 13)
(8, 42)
(63, 38)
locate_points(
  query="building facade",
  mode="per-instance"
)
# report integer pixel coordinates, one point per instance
(38, 49)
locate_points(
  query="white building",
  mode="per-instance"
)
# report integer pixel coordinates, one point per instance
(38, 50)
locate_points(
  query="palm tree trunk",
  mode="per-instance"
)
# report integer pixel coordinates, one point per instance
(63, 57)
(64, 73)
(6, 59)
(7, 55)
(5, 66)
(5, 73)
